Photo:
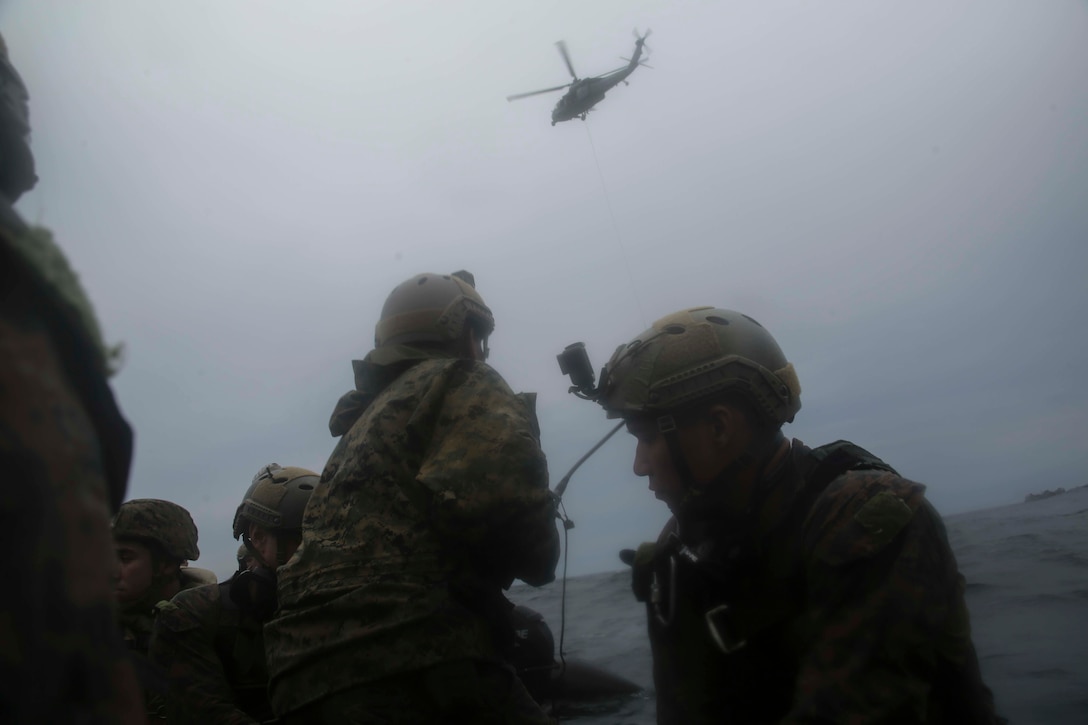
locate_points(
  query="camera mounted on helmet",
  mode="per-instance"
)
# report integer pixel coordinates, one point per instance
(574, 362)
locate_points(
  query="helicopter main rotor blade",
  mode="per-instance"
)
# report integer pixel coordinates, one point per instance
(562, 45)
(516, 96)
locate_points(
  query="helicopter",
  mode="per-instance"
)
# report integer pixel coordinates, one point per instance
(585, 93)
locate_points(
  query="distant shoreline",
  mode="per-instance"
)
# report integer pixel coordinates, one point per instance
(1050, 494)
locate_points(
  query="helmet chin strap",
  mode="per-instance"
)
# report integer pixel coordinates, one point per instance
(666, 426)
(755, 452)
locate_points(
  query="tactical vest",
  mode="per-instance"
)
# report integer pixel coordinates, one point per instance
(729, 624)
(723, 604)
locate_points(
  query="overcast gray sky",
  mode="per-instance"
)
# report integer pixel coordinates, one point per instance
(898, 191)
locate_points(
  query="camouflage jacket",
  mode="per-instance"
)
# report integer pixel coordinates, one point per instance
(137, 624)
(836, 600)
(65, 452)
(434, 501)
(213, 656)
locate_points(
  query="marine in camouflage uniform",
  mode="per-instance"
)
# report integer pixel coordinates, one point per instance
(792, 584)
(209, 640)
(433, 502)
(154, 540)
(65, 452)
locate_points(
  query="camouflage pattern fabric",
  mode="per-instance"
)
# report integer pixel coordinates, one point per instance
(213, 655)
(434, 501)
(841, 605)
(482, 693)
(137, 625)
(164, 522)
(137, 621)
(65, 452)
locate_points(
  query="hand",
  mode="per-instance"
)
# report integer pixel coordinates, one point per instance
(641, 562)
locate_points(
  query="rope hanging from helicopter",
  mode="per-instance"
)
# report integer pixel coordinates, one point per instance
(562, 485)
(616, 227)
(582, 96)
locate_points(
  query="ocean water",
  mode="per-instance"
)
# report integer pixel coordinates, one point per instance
(1026, 567)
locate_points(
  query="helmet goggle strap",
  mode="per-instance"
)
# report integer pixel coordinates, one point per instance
(667, 427)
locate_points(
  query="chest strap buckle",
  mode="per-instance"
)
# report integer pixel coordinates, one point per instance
(722, 632)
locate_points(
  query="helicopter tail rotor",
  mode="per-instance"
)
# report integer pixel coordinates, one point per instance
(642, 63)
(641, 38)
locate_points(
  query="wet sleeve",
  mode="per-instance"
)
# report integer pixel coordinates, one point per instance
(183, 644)
(488, 477)
(885, 608)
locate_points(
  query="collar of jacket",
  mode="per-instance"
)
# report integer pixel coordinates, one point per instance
(373, 374)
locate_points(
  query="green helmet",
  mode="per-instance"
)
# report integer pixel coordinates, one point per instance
(433, 308)
(162, 522)
(276, 499)
(16, 161)
(696, 354)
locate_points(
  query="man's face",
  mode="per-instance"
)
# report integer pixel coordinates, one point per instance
(699, 442)
(136, 571)
(654, 461)
(264, 543)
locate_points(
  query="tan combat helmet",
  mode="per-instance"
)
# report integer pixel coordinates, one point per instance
(16, 160)
(697, 354)
(162, 522)
(276, 499)
(433, 308)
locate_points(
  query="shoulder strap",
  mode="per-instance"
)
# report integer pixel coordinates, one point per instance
(835, 459)
(819, 468)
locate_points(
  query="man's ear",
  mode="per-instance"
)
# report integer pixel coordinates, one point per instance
(725, 423)
(474, 345)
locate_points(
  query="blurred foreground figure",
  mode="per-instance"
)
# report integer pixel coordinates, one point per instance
(155, 540)
(209, 639)
(65, 452)
(434, 500)
(792, 584)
